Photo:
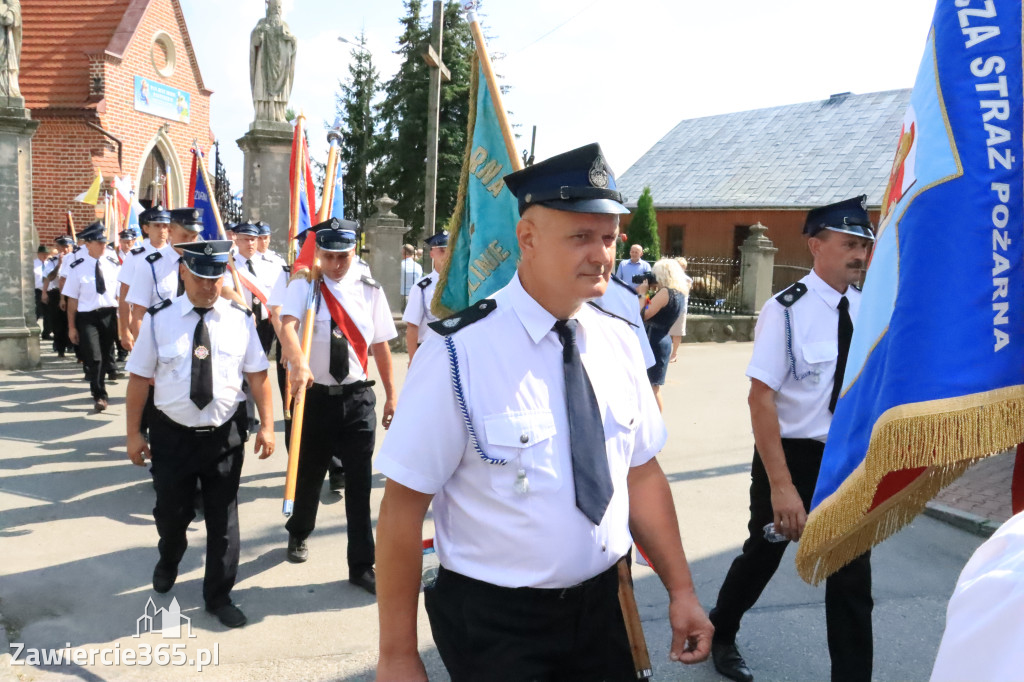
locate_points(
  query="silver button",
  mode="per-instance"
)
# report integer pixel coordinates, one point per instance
(604, 547)
(525, 438)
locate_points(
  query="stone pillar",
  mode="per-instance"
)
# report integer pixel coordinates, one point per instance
(384, 232)
(19, 335)
(757, 267)
(266, 191)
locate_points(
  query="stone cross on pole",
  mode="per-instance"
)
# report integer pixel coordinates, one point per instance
(438, 73)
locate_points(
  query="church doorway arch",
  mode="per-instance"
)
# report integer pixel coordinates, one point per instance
(160, 177)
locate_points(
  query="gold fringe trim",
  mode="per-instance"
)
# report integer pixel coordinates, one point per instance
(455, 222)
(947, 443)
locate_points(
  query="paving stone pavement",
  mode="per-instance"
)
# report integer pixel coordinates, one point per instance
(980, 499)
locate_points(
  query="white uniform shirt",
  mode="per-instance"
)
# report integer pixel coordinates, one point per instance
(163, 352)
(801, 379)
(154, 282)
(37, 271)
(417, 310)
(411, 273)
(271, 257)
(132, 261)
(365, 304)
(65, 265)
(622, 300)
(515, 395)
(267, 275)
(81, 282)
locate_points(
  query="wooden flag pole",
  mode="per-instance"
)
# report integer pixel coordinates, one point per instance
(299, 409)
(634, 628)
(492, 86)
(201, 164)
(71, 226)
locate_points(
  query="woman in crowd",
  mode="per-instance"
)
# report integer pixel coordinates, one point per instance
(678, 330)
(660, 312)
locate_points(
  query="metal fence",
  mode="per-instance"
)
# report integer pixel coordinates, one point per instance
(716, 286)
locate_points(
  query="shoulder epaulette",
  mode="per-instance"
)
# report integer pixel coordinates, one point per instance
(78, 262)
(791, 295)
(856, 286)
(424, 283)
(153, 310)
(622, 284)
(52, 258)
(287, 268)
(611, 314)
(236, 304)
(137, 250)
(369, 281)
(77, 248)
(464, 318)
(113, 260)
(154, 257)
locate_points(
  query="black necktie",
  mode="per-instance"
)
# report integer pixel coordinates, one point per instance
(181, 283)
(845, 334)
(339, 354)
(257, 310)
(101, 284)
(590, 472)
(201, 388)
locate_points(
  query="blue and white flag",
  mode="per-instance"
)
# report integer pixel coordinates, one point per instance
(338, 200)
(935, 376)
(202, 198)
(482, 248)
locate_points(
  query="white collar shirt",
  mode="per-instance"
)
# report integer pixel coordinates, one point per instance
(271, 257)
(81, 283)
(412, 272)
(65, 264)
(51, 264)
(622, 300)
(266, 277)
(37, 271)
(514, 389)
(417, 309)
(132, 261)
(163, 352)
(364, 303)
(801, 375)
(155, 281)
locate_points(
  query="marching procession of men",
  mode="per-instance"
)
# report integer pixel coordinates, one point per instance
(550, 457)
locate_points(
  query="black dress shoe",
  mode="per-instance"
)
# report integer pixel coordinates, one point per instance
(337, 482)
(729, 662)
(366, 580)
(164, 577)
(297, 552)
(229, 615)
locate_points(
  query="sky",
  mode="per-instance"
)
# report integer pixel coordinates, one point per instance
(586, 70)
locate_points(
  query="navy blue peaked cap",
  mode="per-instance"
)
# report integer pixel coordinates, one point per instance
(263, 227)
(97, 232)
(336, 235)
(208, 260)
(190, 218)
(247, 228)
(439, 239)
(849, 217)
(156, 214)
(579, 181)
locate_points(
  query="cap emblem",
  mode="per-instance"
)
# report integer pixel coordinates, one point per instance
(201, 353)
(599, 173)
(208, 250)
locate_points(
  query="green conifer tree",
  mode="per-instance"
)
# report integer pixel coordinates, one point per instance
(643, 229)
(359, 152)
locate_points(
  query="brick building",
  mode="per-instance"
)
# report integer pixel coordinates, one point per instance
(116, 88)
(712, 178)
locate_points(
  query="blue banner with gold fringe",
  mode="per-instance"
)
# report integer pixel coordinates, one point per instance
(935, 376)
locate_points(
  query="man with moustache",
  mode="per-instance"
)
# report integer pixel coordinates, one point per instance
(800, 349)
(540, 463)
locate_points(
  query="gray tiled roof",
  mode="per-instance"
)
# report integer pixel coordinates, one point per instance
(794, 156)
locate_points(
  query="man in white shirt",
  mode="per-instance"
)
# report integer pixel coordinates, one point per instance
(800, 348)
(156, 222)
(91, 291)
(540, 462)
(196, 349)
(411, 273)
(417, 315)
(38, 267)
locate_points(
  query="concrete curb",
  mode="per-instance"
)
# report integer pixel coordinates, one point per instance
(972, 523)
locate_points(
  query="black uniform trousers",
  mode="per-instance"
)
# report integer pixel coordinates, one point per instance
(848, 601)
(58, 322)
(181, 458)
(97, 330)
(341, 425)
(41, 313)
(486, 632)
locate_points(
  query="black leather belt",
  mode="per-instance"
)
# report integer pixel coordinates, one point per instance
(342, 389)
(200, 430)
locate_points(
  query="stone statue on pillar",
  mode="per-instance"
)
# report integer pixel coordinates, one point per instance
(10, 47)
(272, 48)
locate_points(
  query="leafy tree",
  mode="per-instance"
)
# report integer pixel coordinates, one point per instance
(643, 228)
(401, 171)
(359, 153)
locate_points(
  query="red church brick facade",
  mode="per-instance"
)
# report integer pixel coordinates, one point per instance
(79, 62)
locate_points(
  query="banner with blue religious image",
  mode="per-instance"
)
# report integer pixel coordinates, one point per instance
(482, 248)
(935, 376)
